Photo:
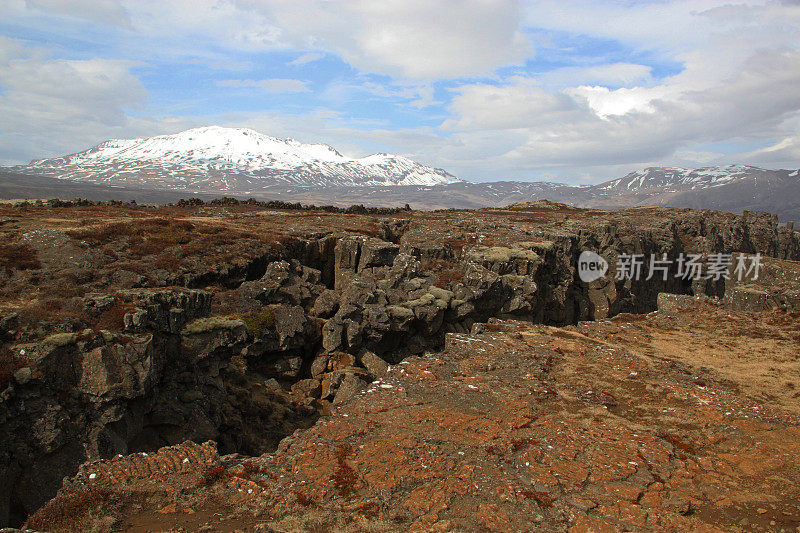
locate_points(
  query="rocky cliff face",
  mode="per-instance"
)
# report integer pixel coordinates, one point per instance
(306, 326)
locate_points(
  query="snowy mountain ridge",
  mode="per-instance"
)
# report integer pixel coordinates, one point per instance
(217, 158)
(672, 178)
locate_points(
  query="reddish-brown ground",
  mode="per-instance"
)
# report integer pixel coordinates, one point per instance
(662, 422)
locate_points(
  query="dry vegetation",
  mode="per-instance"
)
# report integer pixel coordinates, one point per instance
(18, 257)
(71, 511)
(56, 253)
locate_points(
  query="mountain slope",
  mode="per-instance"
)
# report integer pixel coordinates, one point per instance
(230, 160)
(728, 188)
(671, 179)
(731, 188)
(244, 163)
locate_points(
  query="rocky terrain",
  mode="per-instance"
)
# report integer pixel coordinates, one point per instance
(439, 367)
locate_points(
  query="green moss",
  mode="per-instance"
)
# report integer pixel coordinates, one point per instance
(259, 324)
(500, 254)
(61, 339)
(204, 325)
(441, 294)
(543, 246)
(400, 312)
(425, 299)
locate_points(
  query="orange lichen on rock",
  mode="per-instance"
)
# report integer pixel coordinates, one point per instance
(595, 427)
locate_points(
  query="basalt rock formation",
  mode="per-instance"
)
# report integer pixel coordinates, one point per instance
(131, 328)
(685, 419)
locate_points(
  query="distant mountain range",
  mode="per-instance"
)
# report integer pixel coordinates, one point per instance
(234, 160)
(215, 161)
(732, 188)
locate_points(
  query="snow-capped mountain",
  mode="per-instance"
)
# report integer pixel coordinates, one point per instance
(727, 188)
(243, 163)
(231, 160)
(673, 179)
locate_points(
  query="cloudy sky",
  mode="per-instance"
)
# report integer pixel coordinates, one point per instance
(574, 91)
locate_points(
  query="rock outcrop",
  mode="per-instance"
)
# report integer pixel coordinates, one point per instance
(90, 395)
(311, 324)
(628, 424)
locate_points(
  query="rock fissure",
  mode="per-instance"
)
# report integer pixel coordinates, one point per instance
(311, 329)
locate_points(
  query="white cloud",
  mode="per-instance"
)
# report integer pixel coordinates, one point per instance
(608, 74)
(521, 104)
(308, 57)
(270, 85)
(109, 12)
(560, 129)
(50, 104)
(9, 49)
(784, 152)
(416, 39)
(425, 39)
(737, 85)
(606, 102)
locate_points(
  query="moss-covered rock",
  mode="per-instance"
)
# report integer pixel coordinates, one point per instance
(208, 324)
(61, 339)
(441, 294)
(500, 254)
(539, 246)
(260, 323)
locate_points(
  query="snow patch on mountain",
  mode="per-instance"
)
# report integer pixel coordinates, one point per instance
(237, 159)
(676, 178)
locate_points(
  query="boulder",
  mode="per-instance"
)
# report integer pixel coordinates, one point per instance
(163, 310)
(214, 336)
(319, 365)
(340, 360)
(306, 389)
(521, 294)
(282, 367)
(285, 282)
(333, 380)
(346, 257)
(505, 260)
(377, 253)
(326, 304)
(351, 385)
(117, 371)
(376, 366)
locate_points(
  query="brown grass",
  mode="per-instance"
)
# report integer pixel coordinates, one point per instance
(681, 447)
(112, 318)
(168, 261)
(43, 310)
(66, 512)
(448, 278)
(226, 302)
(302, 499)
(542, 498)
(145, 236)
(446, 271)
(252, 467)
(457, 244)
(18, 257)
